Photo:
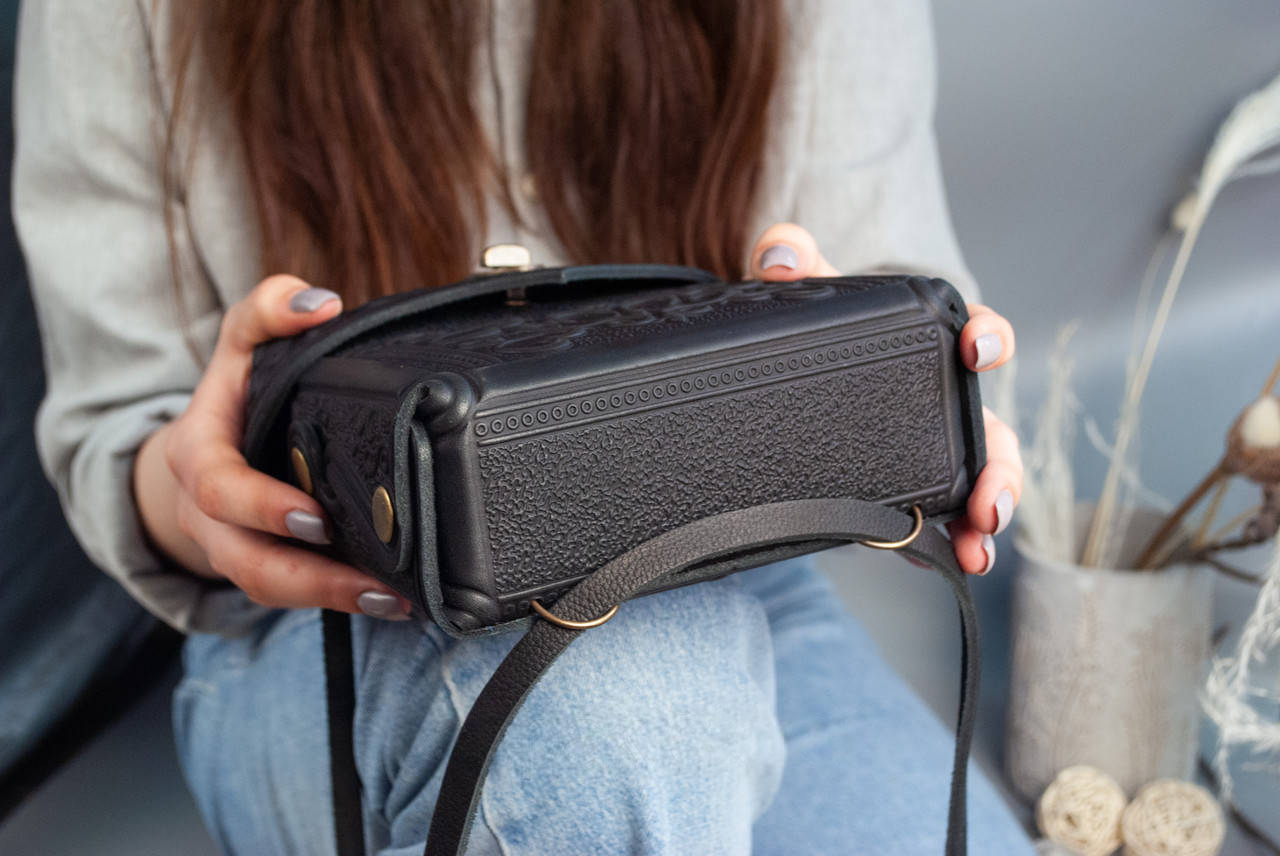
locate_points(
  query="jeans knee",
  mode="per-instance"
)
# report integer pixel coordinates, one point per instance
(658, 726)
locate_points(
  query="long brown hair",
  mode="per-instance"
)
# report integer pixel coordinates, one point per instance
(645, 129)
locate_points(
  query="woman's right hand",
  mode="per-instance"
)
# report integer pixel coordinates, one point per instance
(203, 504)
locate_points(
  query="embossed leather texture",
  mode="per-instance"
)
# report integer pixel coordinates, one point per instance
(526, 438)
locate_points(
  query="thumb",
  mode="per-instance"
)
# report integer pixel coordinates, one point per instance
(278, 306)
(786, 252)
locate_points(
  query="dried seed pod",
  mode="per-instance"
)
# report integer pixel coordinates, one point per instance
(1253, 442)
(1266, 522)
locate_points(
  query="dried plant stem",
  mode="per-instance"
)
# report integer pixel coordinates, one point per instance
(1161, 557)
(1230, 570)
(1215, 475)
(1105, 512)
(1210, 513)
(1153, 556)
(1240, 543)
(1046, 514)
(1271, 381)
(1233, 523)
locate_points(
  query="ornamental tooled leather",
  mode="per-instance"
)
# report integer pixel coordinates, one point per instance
(617, 404)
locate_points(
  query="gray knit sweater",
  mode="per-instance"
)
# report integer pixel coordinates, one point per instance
(852, 158)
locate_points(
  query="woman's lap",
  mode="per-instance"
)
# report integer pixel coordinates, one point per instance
(745, 713)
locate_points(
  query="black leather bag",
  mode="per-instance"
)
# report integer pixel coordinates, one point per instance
(555, 441)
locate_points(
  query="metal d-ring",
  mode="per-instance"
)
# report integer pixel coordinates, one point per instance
(915, 533)
(572, 625)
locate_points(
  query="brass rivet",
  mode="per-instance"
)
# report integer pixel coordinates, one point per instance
(384, 517)
(301, 470)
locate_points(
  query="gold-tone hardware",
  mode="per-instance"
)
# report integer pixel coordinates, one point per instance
(302, 470)
(506, 257)
(915, 533)
(572, 625)
(501, 258)
(384, 516)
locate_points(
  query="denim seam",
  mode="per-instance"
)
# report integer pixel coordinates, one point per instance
(455, 699)
(196, 686)
(485, 813)
(379, 808)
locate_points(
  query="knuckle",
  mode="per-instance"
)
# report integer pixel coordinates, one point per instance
(186, 518)
(1009, 471)
(221, 563)
(1007, 433)
(251, 579)
(334, 592)
(273, 285)
(254, 592)
(172, 447)
(784, 226)
(206, 492)
(269, 505)
(263, 298)
(233, 321)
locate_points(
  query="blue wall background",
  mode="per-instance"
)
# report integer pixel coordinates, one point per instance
(1068, 130)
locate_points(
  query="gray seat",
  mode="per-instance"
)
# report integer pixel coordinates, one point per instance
(75, 649)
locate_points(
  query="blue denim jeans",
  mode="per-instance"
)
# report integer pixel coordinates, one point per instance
(746, 715)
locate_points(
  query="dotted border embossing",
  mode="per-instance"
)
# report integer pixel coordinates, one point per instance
(510, 425)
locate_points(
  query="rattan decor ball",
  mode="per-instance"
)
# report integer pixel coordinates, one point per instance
(1081, 810)
(1173, 818)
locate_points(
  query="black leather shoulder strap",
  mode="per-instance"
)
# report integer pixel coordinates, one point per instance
(340, 689)
(664, 556)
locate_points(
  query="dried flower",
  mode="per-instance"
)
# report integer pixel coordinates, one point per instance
(1251, 129)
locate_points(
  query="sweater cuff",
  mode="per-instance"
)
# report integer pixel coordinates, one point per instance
(103, 513)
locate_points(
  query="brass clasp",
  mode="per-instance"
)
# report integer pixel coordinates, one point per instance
(507, 258)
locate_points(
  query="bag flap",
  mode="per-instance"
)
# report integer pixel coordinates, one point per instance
(278, 365)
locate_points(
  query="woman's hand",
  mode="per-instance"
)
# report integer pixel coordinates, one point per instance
(209, 510)
(787, 252)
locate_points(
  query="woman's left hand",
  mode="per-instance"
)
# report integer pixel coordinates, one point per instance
(787, 252)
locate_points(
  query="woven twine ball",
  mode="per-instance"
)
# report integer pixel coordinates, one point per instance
(1253, 442)
(1173, 818)
(1081, 810)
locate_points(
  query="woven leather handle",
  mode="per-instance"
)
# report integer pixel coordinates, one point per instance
(668, 554)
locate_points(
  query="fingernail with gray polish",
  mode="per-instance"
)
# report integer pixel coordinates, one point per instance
(312, 299)
(378, 604)
(779, 255)
(989, 348)
(1004, 510)
(989, 546)
(306, 526)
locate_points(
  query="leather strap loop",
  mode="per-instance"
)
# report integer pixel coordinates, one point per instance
(666, 555)
(669, 554)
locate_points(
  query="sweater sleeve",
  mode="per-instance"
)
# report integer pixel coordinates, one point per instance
(88, 206)
(869, 186)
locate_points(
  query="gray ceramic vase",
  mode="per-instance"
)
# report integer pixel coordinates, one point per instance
(1106, 665)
